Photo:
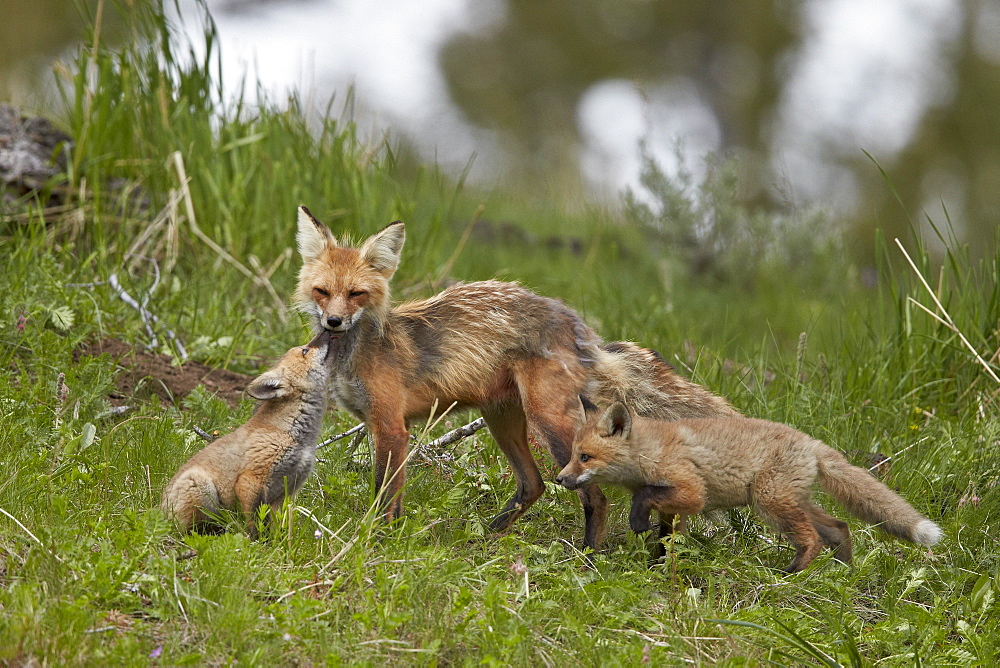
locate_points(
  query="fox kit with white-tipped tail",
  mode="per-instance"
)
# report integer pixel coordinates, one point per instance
(691, 466)
(267, 458)
(520, 358)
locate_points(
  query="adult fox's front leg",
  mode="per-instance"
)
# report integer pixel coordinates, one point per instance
(391, 442)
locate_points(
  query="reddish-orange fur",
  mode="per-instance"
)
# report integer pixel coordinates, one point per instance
(520, 358)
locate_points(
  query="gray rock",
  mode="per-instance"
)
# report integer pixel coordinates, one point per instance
(32, 151)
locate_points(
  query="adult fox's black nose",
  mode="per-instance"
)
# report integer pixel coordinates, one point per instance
(333, 322)
(559, 479)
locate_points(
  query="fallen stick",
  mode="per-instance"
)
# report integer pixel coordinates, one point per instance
(447, 439)
(204, 434)
(456, 434)
(353, 430)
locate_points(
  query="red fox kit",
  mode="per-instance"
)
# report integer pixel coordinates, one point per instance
(518, 357)
(694, 465)
(266, 458)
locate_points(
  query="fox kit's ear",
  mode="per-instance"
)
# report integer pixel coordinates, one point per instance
(382, 250)
(616, 421)
(267, 386)
(313, 236)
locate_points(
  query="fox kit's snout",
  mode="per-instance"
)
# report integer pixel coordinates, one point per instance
(570, 480)
(265, 459)
(338, 284)
(322, 346)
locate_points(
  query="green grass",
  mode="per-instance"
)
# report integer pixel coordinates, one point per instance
(90, 574)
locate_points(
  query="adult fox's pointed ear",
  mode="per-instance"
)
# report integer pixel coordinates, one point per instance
(313, 237)
(587, 405)
(616, 421)
(580, 414)
(381, 251)
(267, 386)
(584, 408)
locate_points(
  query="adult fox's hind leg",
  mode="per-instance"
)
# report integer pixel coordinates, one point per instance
(510, 430)
(549, 391)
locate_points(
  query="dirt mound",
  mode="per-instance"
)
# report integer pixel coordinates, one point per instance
(144, 374)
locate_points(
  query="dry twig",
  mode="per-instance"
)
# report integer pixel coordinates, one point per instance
(456, 434)
(148, 319)
(356, 429)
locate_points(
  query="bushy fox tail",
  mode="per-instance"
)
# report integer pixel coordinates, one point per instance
(870, 500)
(639, 377)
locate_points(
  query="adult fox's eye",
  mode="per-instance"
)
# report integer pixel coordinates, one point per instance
(355, 293)
(584, 457)
(321, 292)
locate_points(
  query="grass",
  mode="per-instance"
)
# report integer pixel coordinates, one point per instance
(90, 574)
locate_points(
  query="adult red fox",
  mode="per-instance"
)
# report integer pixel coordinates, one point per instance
(266, 458)
(520, 358)
(690, 466)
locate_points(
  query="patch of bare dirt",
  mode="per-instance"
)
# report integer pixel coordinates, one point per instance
(147, 374)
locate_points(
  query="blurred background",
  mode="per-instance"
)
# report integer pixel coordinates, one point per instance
(561, 99)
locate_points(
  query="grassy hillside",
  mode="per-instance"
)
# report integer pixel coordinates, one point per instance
(188, 201)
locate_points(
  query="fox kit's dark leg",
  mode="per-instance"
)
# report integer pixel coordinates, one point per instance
(672, 523)
(510, 430)
(790, 517)
(595, 515)
(835, 533)
(687, 497)
(549, 395)
(643, 501)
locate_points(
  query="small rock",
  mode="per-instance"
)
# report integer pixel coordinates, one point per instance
(32, 151)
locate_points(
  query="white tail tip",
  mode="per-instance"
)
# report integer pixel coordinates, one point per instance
(926, 533)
